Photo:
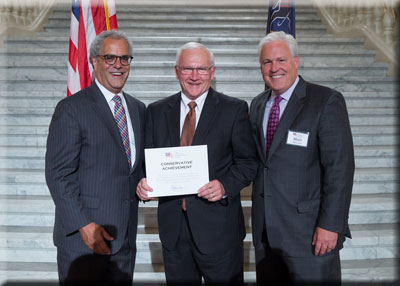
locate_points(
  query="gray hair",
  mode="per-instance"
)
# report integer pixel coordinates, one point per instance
(95, 47)
(192, 46)
(279, 36)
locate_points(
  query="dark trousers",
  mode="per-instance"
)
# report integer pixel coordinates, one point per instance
(75, 268)
(275, 269)
(186, 265)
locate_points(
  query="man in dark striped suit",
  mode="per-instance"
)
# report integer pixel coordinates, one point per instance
(94, 160)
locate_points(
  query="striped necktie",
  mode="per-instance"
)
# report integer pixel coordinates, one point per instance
(120, 119)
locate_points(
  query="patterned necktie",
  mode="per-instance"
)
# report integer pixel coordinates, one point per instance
(120, 119)
(189, 127)
(273, 121)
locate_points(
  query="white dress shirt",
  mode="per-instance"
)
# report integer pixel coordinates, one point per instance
(108, 95)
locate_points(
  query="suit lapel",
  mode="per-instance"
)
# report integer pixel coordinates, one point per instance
(207, 116)
(173, 115)
(260, 110)
(103, 110)
(135, 121)
(292, 109)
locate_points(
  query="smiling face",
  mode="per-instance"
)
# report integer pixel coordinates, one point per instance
(279, 69)
(112, 77)
(194, 84)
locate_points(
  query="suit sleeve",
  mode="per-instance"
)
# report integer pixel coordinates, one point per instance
(337, 162)
(62, 163)
(244, 164)
(148, 129)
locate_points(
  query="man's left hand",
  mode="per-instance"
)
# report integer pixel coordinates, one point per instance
(324, 241)
(212, 191)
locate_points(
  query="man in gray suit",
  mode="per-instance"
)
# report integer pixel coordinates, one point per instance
(94, 160)
(301, 196)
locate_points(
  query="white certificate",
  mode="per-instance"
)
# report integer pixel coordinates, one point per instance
(176, 170)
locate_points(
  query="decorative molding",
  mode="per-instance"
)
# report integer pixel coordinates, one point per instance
(376, 21)
(23, 16)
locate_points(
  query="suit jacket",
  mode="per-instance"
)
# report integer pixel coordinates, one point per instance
(87, 170)
(298, 188)
(224, 127)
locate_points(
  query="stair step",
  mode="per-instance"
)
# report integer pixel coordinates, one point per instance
(361, 175)
(40, 120)
(362, 271)
(36, 152)
(17, 53)
(322, 60)
(39, 210)
(374, 110)
(366, 120)
(16, 103)
(193, 22)
(378, 239)
(370, 130)
(213, 44)
(250, 42)
(24, 130)
(42, 46)
(60, 73)
(57, 95)
(225, 85)
(368, 139)
(40, 189)
(28, 110)
(33, 238)
(371, 271)
(208, 29)
(374, 130)
(37, 163)
(157, 8)
(375, 150)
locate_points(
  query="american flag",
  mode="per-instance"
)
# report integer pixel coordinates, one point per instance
(88, 19)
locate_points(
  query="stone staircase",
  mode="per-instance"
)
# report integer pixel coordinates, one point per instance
(33, 75)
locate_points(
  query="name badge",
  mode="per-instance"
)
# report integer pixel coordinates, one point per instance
(297, 138)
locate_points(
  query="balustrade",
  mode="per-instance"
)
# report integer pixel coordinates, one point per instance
(376, 20)
(23, 16)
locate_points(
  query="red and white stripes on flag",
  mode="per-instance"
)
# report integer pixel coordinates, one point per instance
(88, 19)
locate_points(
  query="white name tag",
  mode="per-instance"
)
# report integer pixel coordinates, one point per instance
(297, 138)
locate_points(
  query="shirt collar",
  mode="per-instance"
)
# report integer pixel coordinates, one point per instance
(288, 93)
(107, 94)
(199, 101)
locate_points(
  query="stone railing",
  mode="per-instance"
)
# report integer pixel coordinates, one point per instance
(23, 16)
(375, 20)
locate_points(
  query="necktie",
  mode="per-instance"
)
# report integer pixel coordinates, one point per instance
(273, 121)
(120, 119)
(189, 127)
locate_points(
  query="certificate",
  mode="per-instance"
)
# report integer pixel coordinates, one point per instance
(176, 170)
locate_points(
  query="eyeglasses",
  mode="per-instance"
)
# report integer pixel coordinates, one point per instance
(189, 70)
(125, 60)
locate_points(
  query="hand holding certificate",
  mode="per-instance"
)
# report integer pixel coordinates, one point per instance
(176, 170)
